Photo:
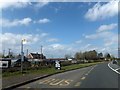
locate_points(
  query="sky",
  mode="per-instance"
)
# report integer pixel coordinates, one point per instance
(60, 27)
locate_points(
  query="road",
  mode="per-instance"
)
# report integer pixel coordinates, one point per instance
(98, 76)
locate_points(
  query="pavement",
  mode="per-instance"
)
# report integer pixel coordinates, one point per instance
(14, 81)
(98, 76)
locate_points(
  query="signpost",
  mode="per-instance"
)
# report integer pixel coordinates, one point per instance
(57, 64)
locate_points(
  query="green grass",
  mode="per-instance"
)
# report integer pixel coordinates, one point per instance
(7, 74)
(119, 62)
(49, 70)
(77, 66)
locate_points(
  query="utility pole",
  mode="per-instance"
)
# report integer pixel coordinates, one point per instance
(9, 52)
(41, 52)
(27, 53)
(3, 53)
(41, 49)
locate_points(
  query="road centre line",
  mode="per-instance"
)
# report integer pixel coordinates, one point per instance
(83, 78)
(28, 87)
(90, 70)
(78, 84)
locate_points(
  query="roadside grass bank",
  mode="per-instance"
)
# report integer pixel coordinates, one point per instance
(51, 70)
(119, 62)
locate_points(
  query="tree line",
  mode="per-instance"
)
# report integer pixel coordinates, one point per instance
(92, 55)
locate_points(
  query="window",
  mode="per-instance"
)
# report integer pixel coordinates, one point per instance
(4, 64)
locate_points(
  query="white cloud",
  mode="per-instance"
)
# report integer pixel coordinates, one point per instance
(14, 4)
(79, 41)
(99, 35)
(16, 22)
(25, 21)
(57, 46)
(99, 11)
(41, 3)
(58, 50)
(44, 34)
(44, 20)
(52, 40)
(103, 32)
(5, 4)
(111, 41)
(13, 41)
(109, 38)
(107, 27)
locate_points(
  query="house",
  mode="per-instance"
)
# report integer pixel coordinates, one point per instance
(25, 63)
(36, 57)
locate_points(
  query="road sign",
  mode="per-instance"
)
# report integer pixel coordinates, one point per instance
(57, 65)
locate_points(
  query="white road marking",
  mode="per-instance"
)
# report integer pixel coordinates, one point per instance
(46, 81)
(53, 82)
(78, 84)
(115, 70)
(90, 70)
(56, 82)
(28, 87)
(66, 83)
(83, 78)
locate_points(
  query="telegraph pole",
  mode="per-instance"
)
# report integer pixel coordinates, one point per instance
(27, 53)
(41, 52)
(3, 53)
(9, 50)
(41, 49)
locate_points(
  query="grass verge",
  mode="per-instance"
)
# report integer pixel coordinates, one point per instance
(49, 70)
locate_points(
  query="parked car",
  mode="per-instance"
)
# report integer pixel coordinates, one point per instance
(114, 62)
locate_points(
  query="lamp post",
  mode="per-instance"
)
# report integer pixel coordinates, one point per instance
(22, 56)
(23, 41)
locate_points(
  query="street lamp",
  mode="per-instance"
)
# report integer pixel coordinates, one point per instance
(23, 41)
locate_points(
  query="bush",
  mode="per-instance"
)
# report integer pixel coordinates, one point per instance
(66, 63)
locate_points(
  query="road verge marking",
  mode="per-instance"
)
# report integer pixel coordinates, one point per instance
(117, 69)
(113, 69)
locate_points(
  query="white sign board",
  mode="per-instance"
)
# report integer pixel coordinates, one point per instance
(57, 64)
(3, 64)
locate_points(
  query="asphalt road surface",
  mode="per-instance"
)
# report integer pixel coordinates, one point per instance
(98, 76)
